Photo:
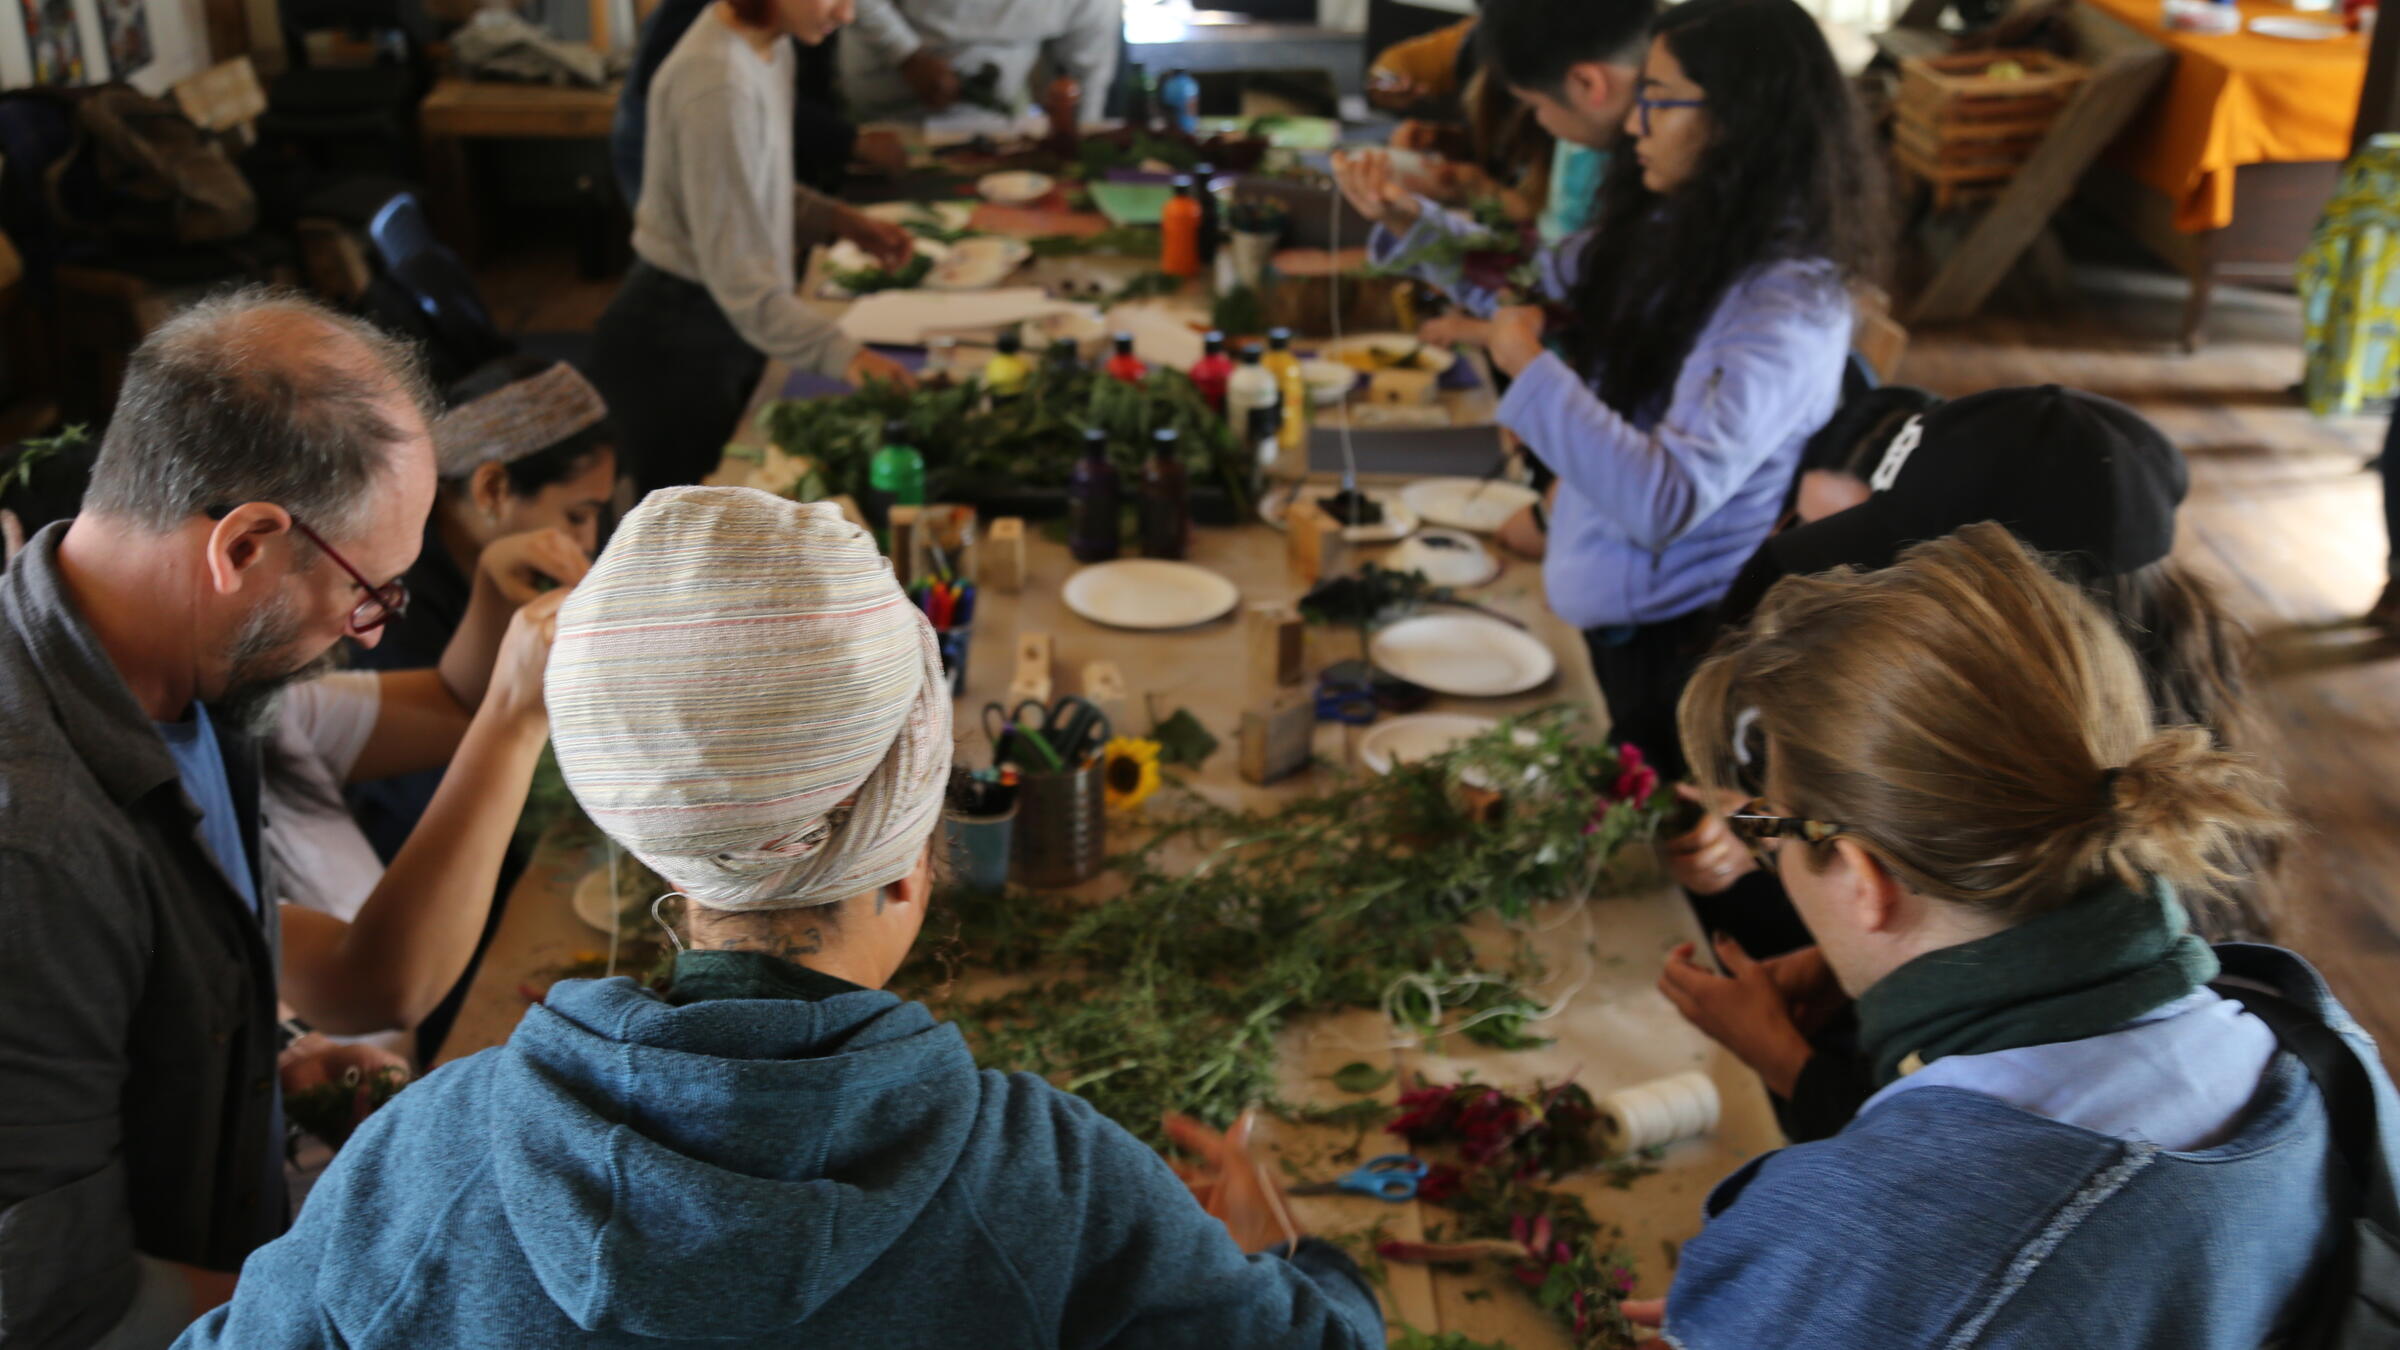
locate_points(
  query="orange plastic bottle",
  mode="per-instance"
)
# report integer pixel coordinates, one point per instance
(1179, 233)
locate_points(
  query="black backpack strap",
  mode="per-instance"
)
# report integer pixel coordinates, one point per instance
(2360, 1307)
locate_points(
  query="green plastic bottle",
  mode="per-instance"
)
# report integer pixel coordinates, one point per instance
(895, 477)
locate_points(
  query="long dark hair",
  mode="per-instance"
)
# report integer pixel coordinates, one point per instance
(1786, 175)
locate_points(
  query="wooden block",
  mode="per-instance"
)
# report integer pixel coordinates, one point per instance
(1104, 688)
(1313, 543)
(1411, 388)
(1002, 566)
(1032, 681)
(1103, 682)
(1276, 739)
(903, 523)
(1278, 641)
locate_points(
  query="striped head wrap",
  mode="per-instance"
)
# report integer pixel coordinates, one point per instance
(521, 418)
(742, 696)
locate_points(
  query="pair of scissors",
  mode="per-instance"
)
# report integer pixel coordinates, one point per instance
(1077, 728)
(1029, 722)
(1392, 1177)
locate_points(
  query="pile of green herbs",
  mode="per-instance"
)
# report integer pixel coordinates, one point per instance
(1168, 996)
(977, 447)
(17, 469)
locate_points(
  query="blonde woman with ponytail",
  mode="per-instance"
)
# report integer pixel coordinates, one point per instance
(2075, 1139)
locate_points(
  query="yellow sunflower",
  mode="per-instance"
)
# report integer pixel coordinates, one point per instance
(1130, 774)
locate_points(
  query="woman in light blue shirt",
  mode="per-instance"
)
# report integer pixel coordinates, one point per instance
(1696, 335)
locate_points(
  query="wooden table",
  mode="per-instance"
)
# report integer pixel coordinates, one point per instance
(459, 110)
(2225, 173)
(1614, 1030)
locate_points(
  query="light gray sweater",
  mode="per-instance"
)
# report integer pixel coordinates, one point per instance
(719, 207)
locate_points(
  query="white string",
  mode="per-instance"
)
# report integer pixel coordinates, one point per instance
(616, 908)
(672, 936)
(1333, 237)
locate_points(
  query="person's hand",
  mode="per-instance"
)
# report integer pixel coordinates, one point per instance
(1810, 992)
(1646, 1312)
(1422, 138)
(930, 78)
(886, 242)
(1741, 1010)
(313, 1063)
(874, 365)
(522, 566)
(1524, 536)
(1710, 858)
(1391, 91)
(1516, 337)
(1366, 179)
(881, 150)
(1451, 329)
(1231, 1185)
(516, 688)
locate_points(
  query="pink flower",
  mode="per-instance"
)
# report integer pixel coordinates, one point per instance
(1636, 780)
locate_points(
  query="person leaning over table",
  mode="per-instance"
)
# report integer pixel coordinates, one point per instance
(2094, 486)
(774, 1152)
(711, 297)
(2075, 1139)
(264, 478)
(1707, 309)
(906, 58)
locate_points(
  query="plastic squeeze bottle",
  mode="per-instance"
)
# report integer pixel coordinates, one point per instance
(1179, 233)
(1212, 370)
(1006, 372)
(1254, 405)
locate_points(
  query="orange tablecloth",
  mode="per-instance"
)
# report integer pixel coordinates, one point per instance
(2235, 100)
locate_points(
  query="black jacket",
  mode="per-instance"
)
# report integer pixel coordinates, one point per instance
(138, 1090)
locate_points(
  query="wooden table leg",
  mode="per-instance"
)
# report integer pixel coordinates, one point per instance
(2204, 288)
(447, 197)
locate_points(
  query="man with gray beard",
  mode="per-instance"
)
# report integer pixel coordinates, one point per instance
(265, 477)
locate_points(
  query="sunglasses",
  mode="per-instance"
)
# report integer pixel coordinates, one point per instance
(1754, 827)
(1643, 103)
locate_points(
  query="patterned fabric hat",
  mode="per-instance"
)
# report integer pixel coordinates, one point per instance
(743, 697)
(517, 419)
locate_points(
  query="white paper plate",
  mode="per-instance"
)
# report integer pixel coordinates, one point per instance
(1014, 188)
(976, 264)
(1467, 503)
(1461, 560)
(1433, 359)
(1464, 654)
(1405, 740)
(1149, 593)
(1398, 521)
(2296, 30)
(951, 215)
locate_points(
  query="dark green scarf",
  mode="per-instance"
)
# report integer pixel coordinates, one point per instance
(2089, 966)
(716, 973)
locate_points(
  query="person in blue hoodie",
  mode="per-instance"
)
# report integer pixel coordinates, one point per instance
(2087, 1127)
(1678, 353)
(775, 1152)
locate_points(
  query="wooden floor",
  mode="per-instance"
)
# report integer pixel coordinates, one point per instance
(2283, 515)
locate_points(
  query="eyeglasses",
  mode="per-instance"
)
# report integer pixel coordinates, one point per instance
(1643, 103)
(1753, 826)
(382, 603)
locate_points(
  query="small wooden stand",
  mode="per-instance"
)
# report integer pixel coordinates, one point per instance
(1276, 740)
(1313, 543)
(1278, 643)
(1002, 567)
(1104, 688)
(1034, 655)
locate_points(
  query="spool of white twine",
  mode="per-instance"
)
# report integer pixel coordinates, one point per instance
(1662, 1111)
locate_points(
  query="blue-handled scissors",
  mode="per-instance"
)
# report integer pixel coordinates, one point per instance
(1392, 1177)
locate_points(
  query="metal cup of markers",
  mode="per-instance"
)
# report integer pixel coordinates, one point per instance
(980, 846)
(1062, 826)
